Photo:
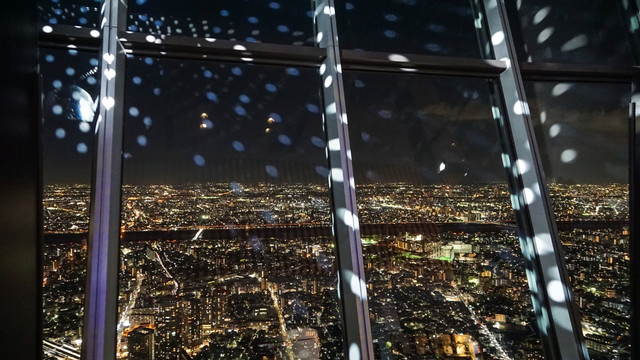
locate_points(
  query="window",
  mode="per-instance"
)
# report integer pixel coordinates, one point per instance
(70, 86)
(328, 180)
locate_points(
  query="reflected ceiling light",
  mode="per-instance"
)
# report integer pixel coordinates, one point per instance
(541, 14)
(575, 43)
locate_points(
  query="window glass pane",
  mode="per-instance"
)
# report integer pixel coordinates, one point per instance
(400, 26)
(69, 12)
(445, 275)
(281, 22)
(70, 89)
(582, 131)
(583, 31)
(227, 249)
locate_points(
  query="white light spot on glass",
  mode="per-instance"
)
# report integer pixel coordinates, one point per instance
(545, 34)
(520, 108)
(575, 43)
(347, 218)
(47, 29)
(329, 10)
(110, 74)
(147, 121)
(108, 58)
(150, 38)
(319, 37)
(328, 81)
(568, 156)
(323, 68)
(108, 102)
(554, 130)
(239, 47)
(560, 89)
(523, 166)
(336, 174)
(70, 71)
(543, 117)
(354, 352)
(94, 33)
(497, 38)
(334, 145)
(529, 196)
(556, 291)
(133, 111)
(57, 109)
(543, 244)
(142, 140)
(398, 58)
(331, 108)
(441, 167)
(541, 14)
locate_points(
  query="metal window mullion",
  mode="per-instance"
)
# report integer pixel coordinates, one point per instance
(100, 319)
(550, 288)
(634, 204)
(351, 276)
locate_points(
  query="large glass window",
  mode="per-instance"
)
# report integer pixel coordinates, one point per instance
(447, 28)
(69, 12)
(445, 276)
(281, 22)
(70, 90)
(226, 245)
(584, 31)
(582, 131)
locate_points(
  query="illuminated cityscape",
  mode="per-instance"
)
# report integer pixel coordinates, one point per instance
(235, 270)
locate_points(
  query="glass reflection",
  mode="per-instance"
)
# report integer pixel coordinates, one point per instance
(226, 245)
(582, 132)
(421, 27)
(69, 12)
(445, 276)
(276, 21)
(70, 89)
(584, 31)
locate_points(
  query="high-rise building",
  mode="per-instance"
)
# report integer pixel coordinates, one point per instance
(140, 343)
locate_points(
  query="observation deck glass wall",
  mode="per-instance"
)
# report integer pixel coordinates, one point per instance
(579, 32)
(226, 248)
(70, 86)
(441, 28)
(445, 275)
(277, 21)
(582, 131)
(83, 13)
